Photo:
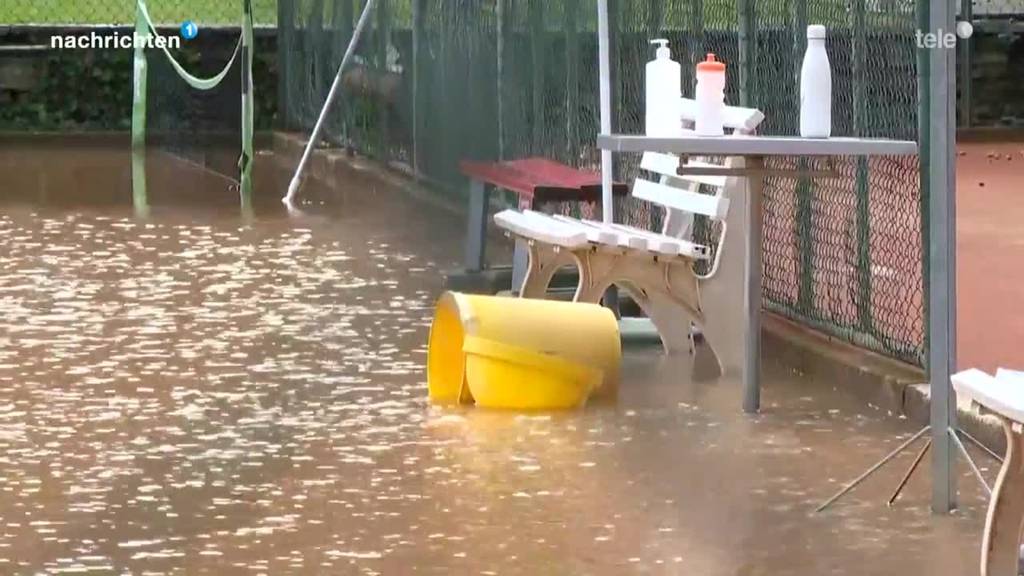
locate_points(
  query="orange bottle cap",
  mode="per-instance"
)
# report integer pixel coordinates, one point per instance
(711, 65)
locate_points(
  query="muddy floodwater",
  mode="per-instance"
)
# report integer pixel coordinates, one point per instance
(204, 392)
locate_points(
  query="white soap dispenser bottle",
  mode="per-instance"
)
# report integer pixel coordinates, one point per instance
(816, 87)
(663, 93)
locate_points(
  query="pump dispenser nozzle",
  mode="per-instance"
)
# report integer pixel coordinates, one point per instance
(663, 51)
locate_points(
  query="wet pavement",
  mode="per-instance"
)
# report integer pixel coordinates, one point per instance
(201, 392)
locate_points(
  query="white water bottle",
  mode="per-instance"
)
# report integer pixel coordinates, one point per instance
(710, 98)
(816, 87)
(663, 93)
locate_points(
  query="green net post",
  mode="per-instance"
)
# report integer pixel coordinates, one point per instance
(139, 197)
(248, 109)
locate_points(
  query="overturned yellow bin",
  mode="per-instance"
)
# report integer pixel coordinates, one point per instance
(521, 354)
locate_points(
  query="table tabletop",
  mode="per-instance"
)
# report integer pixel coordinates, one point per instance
(757, 145)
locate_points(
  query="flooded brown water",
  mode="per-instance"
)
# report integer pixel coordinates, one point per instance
(200, 392)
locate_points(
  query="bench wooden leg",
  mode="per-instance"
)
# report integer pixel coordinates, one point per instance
(476, 232)
(1004, 525)
(543, 261)
(665, 290)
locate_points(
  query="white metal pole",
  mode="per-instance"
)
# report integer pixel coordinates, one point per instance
(607, 201)
(297, 179)
(942, 255)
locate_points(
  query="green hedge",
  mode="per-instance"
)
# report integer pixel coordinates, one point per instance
(92, 90)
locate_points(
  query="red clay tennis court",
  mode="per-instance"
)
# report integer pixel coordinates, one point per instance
(990, 248)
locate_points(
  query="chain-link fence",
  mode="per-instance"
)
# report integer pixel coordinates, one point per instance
(122, 12)
(439, 81)
(991, 63)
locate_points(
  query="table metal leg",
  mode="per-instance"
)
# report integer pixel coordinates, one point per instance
(752, 291)
(476, 233)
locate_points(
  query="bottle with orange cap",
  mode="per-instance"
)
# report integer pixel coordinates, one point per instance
(710, 97)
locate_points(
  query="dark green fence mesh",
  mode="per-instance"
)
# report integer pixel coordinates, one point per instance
(444, 80)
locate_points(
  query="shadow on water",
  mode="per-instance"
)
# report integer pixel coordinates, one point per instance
(201, 393)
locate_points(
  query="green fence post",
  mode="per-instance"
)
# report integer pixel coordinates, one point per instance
(345, 14)
(417, 84)
(747, 38)
(615, 78)
(572, 80)
(966, 53)
(285, 39)
(694, 45)
(804, 186)
(538, 47)
(655, 12)
(503, 27)
(860, 128)
(383, 110)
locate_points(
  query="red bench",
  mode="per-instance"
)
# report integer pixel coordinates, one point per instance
(536, 181)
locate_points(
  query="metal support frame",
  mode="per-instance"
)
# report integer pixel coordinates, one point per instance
(954, 437)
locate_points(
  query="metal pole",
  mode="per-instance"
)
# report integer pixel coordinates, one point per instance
(604, 59)
(297, 179)
(942, 256)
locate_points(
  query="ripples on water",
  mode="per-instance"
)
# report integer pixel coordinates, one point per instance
(222, 397)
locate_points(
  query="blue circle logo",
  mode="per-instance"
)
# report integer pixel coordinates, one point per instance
(189, 30)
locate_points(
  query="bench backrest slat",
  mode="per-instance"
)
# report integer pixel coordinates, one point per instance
(713, 206)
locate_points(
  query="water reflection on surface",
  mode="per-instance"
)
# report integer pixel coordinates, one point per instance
(198, 393)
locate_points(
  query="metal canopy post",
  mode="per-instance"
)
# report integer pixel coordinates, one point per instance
(942, 255)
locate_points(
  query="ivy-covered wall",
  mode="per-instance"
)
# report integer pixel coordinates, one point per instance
(47, 89)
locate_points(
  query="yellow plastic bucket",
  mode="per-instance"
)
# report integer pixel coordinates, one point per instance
(521, 353)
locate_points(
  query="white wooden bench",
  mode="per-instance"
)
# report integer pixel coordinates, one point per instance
(1003, 396)
(658, 268)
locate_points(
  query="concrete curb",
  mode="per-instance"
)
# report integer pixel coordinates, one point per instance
(896, 387)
